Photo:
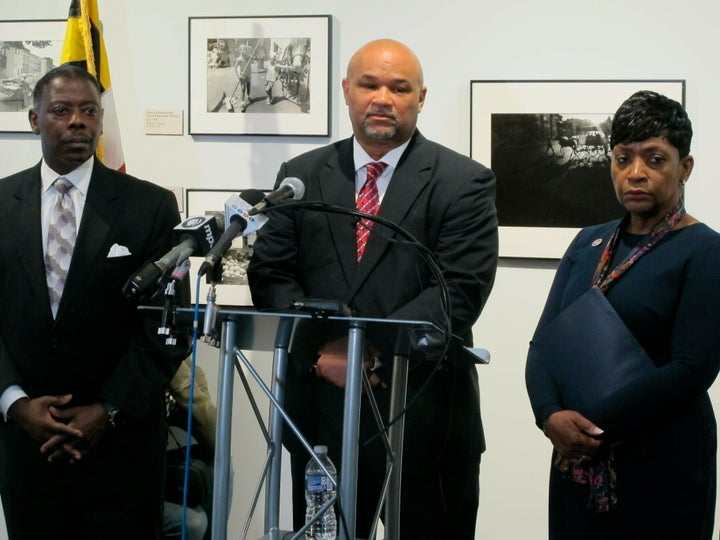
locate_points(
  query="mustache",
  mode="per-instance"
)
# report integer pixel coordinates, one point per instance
(77, 138)
(380, 111)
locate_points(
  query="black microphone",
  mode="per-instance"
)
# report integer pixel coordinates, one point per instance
(237, 221)
(290, 188)
(196, 235)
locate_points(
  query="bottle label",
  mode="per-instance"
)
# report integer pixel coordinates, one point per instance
(318, 483)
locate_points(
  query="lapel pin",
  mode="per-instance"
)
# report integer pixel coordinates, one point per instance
(596, 242)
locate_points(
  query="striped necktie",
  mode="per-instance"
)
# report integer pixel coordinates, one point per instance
(368, 202)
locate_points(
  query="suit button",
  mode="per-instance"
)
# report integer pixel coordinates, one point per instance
(54, 343)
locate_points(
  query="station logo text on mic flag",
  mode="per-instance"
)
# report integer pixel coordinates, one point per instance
(84, 46)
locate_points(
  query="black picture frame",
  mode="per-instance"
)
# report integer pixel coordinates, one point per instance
(230, 61)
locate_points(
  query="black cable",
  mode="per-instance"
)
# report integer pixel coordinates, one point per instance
(427, 255)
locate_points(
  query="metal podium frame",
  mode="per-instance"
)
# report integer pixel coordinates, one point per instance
(248, 329)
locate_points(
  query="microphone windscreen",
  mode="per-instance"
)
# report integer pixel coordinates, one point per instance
(297, 186)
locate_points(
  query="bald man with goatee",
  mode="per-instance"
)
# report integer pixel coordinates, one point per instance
(447, 202)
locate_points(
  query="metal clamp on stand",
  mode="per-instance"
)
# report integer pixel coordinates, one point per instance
(167, 321)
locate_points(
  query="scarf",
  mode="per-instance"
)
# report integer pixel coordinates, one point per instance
(600, 475)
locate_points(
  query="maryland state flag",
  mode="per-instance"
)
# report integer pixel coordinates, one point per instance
(84, 46)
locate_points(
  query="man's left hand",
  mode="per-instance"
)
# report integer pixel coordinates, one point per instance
(91, 420)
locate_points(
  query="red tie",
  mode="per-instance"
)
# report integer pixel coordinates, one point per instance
(368, 202)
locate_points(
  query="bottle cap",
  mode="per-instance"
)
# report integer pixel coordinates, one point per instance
(320, 449)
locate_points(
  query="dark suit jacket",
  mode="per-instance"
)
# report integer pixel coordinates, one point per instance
(99, 348)
(446, 201)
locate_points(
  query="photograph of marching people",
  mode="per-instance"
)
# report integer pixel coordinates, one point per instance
(253, 75)
(258, 75)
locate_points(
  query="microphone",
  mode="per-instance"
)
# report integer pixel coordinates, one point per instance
(237, 222)
(290, 187)
(196, 234)
(238, 206)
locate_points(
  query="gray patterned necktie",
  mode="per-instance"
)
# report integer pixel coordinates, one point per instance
(61, 241)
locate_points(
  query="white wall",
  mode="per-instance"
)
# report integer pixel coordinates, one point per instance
(456, 40)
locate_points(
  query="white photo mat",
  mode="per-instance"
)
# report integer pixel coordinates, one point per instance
(316, 122)
(489, 97)
(200, 202)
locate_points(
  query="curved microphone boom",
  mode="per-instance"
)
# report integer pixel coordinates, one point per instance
(238, 222)
(289, 188)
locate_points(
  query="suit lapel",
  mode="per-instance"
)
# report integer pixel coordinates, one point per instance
(97, 219)
(28, 235)
(337, 187)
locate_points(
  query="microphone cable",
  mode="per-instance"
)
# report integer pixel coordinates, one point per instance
(191, 395)
(430, 259)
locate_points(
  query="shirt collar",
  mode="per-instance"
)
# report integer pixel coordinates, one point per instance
(80, 176)
(361, 157)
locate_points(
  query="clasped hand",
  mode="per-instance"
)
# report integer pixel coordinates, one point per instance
(332, 363)
(64, 433)
(575, 438)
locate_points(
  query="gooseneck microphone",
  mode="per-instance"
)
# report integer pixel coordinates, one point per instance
(238, 222)
(289, 188)
(196, 235)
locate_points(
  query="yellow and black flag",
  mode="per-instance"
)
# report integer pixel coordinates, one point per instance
(84, 46)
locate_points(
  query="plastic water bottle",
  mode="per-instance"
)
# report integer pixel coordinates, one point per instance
(319, 489)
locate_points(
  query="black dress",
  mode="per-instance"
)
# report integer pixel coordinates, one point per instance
(662, 426)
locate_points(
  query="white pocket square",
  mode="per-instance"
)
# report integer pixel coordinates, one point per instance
(118, 251)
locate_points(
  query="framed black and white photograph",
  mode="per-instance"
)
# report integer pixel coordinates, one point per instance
(28, 50)
(548, 144)
(254, 75)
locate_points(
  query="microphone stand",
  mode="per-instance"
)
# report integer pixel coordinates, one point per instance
(168, 314)
(209, 331)
(208, 334)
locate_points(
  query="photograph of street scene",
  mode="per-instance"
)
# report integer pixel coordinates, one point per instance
(553, 169)
(258, 75)
(22, 63)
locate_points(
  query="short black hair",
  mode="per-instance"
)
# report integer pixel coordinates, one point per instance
(647, 114)
(69, 71)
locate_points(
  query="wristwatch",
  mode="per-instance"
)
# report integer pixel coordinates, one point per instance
(113, 414)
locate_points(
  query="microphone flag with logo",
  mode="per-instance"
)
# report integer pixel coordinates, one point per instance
(195, 236)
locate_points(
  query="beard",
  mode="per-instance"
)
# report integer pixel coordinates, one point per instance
(380, 133)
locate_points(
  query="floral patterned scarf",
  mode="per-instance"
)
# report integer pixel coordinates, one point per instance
(600, 474)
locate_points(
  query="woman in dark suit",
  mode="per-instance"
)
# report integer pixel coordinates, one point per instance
(641, 461)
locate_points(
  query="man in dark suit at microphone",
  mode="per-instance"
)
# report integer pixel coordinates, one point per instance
(446, 201)
(82, 371)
